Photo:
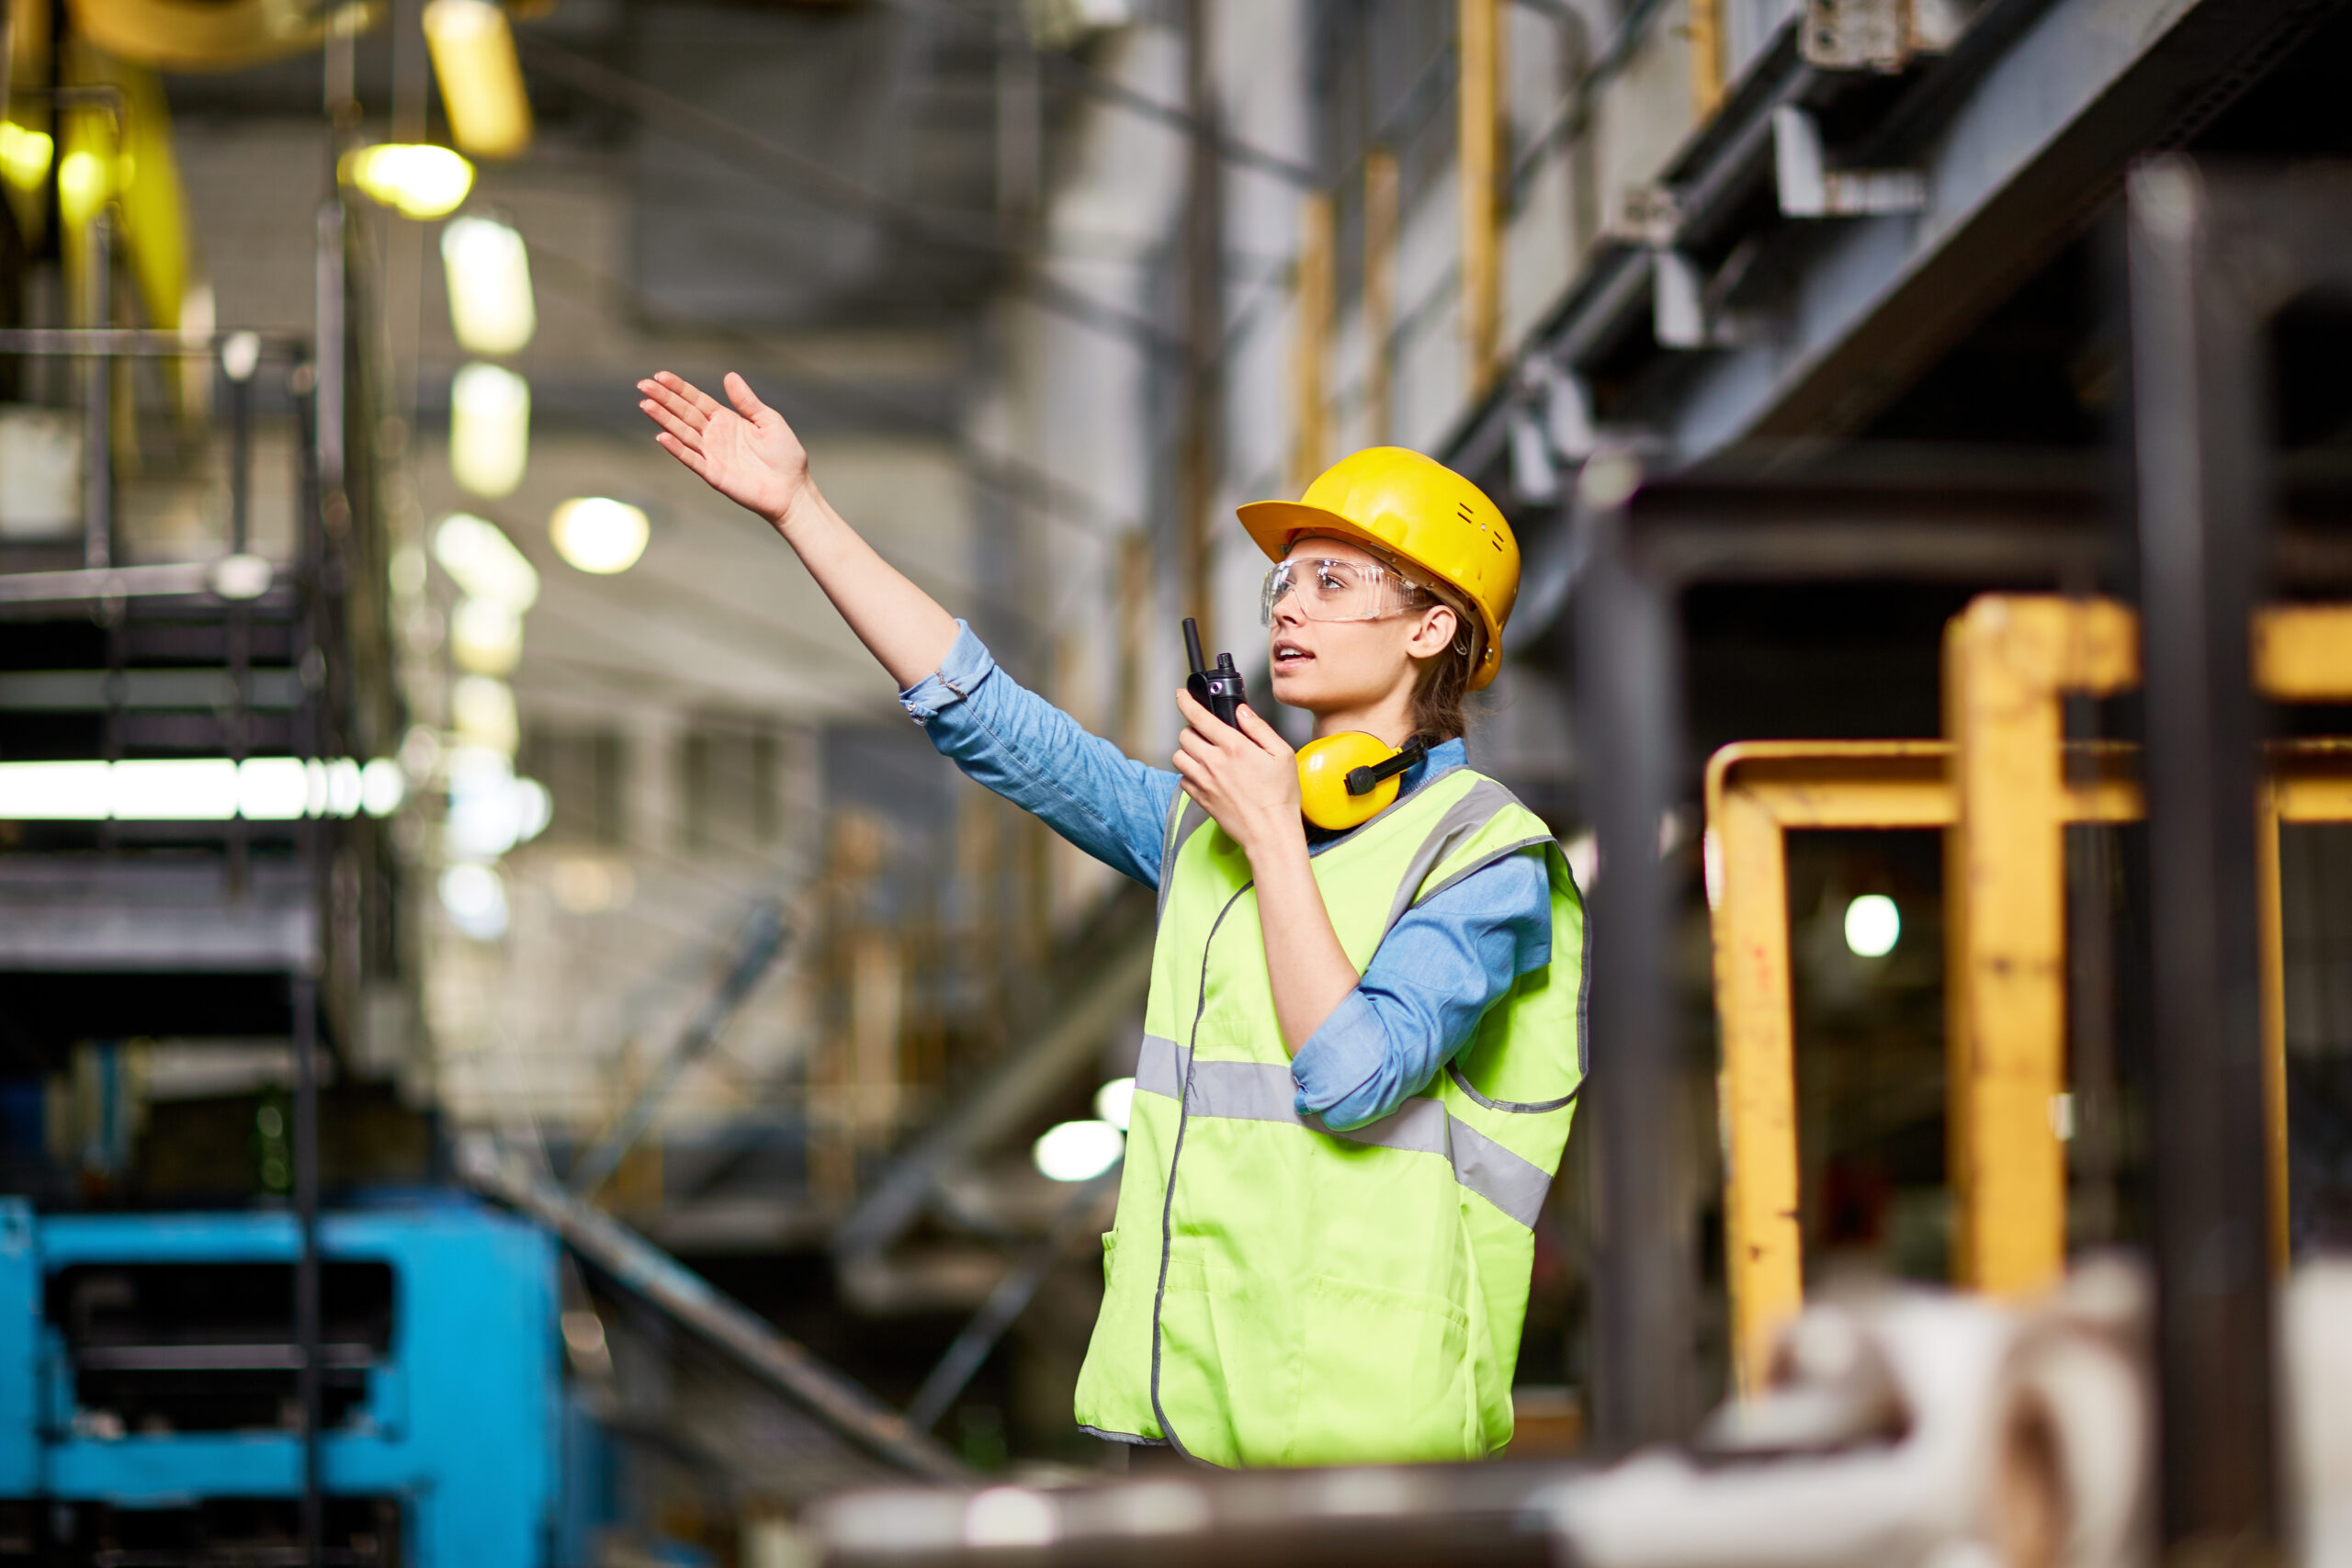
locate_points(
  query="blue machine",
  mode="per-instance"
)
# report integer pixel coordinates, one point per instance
(454, 1408)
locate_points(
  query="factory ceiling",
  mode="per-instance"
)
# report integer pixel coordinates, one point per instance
(823, 196)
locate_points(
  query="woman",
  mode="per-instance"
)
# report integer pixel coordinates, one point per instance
(1362, 1046)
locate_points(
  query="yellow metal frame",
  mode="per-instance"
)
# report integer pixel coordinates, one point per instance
(2009, 663)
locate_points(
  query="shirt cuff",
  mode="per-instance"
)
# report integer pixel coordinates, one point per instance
(1338, 1061)
(968, 662)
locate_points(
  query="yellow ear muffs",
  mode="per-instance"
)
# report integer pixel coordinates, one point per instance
(1350, 777)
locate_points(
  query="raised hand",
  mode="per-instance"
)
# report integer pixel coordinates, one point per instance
(747, 453)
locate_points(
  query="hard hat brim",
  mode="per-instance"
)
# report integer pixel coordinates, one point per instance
(1273, 525)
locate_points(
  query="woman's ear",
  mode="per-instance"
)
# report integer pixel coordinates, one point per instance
(1436, 631)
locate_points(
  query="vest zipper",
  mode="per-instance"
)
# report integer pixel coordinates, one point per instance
(1167, 1199)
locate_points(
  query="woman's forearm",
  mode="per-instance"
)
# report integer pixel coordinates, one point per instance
(899, 624)
(1307, 967)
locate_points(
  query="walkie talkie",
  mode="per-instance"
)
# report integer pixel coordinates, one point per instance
(1218, 690)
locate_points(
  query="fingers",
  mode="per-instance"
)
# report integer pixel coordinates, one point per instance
(1196, 777)
(678, 398)
(747, 402)
(1193, 743)
(1256, 729)
(683, 453)
(674, 423)
(701, 402)
(1197, 715)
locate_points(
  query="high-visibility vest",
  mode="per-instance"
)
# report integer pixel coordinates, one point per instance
(1277, 1293)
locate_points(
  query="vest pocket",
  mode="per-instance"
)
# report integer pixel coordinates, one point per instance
(1384, 1377)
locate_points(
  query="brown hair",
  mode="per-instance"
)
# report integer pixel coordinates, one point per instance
(1444, 681)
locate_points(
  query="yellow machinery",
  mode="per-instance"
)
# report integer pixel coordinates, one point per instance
(2004, 788)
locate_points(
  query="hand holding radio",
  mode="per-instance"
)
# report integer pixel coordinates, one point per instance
(1242, 772)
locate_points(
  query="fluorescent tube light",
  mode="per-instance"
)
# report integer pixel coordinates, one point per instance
(484, 561)
(490, 429)
(198, 789)
(481, 82)
(489, 272)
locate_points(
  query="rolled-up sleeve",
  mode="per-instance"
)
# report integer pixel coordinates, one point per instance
(1008, 738)
(1434, 975)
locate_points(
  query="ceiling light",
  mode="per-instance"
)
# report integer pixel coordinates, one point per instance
(599, 534)
(476, 900)
(54, 792)
(196, 789)
(1874, 924)
(413, 180)
(484, 561)
(490, 810)
(490, 429)
(82, 186)
(1114, 1102)
(486, 637)
(273, 789)
(25, 154)
(382, 787)
(481, 82)
(1079, 1151)
(483, 711)
(242, 576)
(489, 272)
(193, 789)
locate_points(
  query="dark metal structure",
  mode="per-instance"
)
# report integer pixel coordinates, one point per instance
(2215, 255)
(259, 922)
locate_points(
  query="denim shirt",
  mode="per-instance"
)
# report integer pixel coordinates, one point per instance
(1448, 959)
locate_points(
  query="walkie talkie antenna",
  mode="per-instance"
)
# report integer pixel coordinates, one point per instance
(1192, 646)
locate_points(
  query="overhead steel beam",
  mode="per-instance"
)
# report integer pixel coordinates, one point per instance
(2019, 136)
(2022, 163)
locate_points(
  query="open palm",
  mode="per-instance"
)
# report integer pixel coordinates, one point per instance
(747, 453)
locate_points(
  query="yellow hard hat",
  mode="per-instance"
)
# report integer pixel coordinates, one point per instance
(1418, 510)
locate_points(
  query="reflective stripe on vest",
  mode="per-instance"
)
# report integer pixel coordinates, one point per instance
(1263, 1091)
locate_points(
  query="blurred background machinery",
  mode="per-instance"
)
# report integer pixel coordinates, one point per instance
(425, 814)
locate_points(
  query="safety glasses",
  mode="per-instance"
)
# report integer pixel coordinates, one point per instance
(1332, 590)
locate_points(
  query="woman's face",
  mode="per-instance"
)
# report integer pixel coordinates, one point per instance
(1334, 666)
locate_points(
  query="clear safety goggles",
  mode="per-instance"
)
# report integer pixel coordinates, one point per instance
(1334, 590)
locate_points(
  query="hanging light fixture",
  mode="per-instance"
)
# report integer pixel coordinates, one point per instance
(599, 534)
(412, 178)
(489, 272)
(490, 429)
(481, 82)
